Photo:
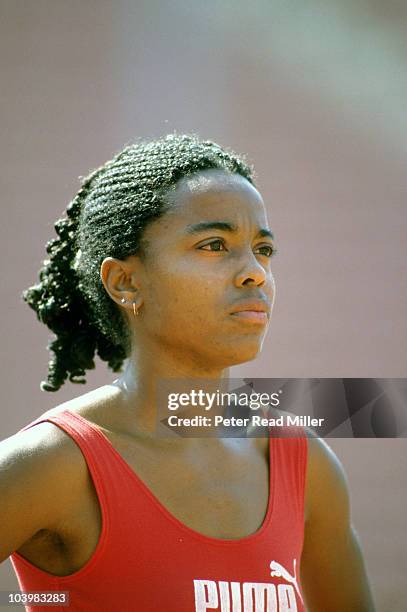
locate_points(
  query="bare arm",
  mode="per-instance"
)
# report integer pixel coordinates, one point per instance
(40, 476)
(333, 572)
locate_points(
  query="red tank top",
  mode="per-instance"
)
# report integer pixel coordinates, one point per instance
(146, 560)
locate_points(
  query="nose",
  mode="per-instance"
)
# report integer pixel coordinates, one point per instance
(251, 273)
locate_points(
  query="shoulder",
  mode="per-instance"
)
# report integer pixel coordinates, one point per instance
(36, 445)
(42, 452)
(326, 482)
(97, 406)
(43, 475)
(331, 546)
(35, 458)
(101, 406)
(326, 485)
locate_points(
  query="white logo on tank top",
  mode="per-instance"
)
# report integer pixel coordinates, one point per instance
(249, 596)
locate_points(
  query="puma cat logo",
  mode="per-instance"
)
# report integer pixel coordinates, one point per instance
(279, 571)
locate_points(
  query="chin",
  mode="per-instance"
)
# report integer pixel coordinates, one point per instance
(245, 353)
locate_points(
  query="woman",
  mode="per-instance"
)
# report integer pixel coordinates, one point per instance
(164, 259)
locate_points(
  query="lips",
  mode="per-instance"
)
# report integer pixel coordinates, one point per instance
(252, 312)
(251, 316)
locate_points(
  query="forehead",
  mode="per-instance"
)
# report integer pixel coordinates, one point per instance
(215, 192)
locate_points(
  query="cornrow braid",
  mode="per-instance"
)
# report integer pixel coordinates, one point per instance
(107, 217)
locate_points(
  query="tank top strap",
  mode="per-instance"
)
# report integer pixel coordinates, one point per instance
(291, 452)
(95, 448)
(92, 442)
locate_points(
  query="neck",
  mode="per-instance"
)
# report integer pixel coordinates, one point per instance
(148, 380)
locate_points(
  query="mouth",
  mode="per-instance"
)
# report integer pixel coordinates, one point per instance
(251, 316)
(255, 312)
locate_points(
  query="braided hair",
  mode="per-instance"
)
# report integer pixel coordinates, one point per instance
(107, 217)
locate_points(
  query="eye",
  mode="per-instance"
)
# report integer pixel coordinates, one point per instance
(267, 250)
(216, 244)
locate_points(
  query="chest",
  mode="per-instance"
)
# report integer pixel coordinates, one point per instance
(218, 491)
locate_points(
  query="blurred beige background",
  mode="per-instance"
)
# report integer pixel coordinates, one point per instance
(315, 94)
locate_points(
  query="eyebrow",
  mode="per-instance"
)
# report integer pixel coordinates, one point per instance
(224, 226)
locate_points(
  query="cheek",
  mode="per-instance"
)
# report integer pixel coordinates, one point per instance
(183, 297)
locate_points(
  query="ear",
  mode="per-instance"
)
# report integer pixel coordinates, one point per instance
(120, 278)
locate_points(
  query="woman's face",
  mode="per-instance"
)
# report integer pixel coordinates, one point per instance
(208, 256)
